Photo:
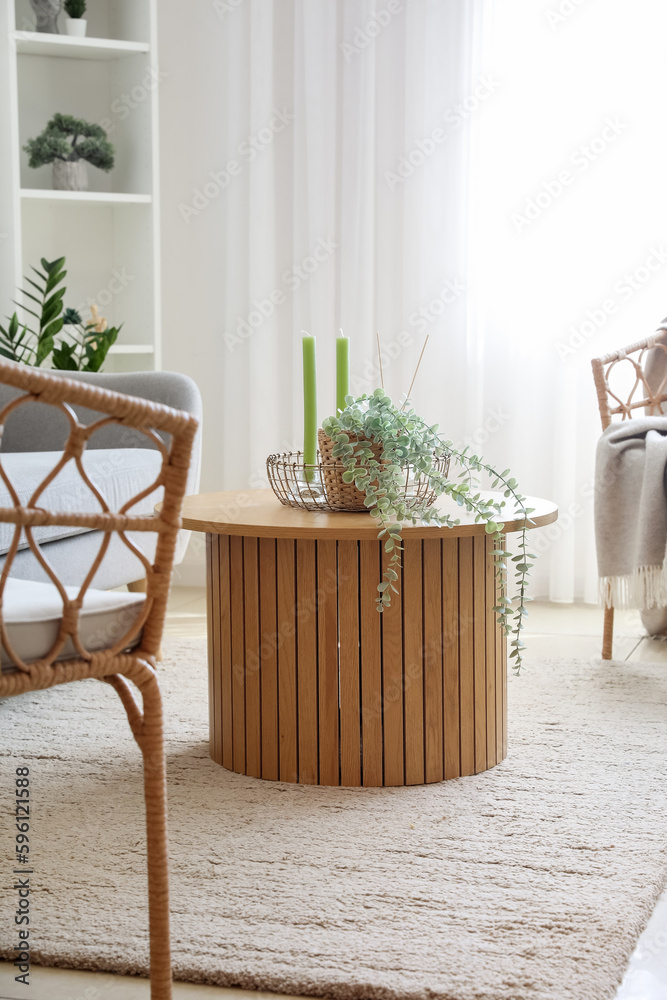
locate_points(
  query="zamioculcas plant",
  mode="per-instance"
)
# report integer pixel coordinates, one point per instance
(91, 344)
(409, 444)
(32, 342)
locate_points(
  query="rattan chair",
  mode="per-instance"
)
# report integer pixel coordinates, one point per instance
(645, 393)
(116, 659)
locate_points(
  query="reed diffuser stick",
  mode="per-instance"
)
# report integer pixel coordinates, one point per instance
(380, 359)
(416, 370)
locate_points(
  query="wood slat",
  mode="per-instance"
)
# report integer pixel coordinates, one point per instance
(350, 707)
(225, 667)
(503, 662)
(450, 655)
(490, 619)
(501, 677)
(213, 629)
(287, 697)
(238, 652)
(479, 649)
(269, 658)
(466, 656)
(306, 591)
(371, 664)
(392, 686)
(413, 670)
(327, 620)
(253, 717)
(433, 660)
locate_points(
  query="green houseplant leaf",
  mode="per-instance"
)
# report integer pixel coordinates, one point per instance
(410, 444)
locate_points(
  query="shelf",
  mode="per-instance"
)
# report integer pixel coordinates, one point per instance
(34, 43)
(94, 197)
(131, 349)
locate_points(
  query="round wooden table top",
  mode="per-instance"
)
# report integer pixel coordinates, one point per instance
(259, 514)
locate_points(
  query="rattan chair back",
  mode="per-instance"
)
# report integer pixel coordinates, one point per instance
(172, 433)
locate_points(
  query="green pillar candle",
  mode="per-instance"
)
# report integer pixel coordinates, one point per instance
(342, 371)
(309, 405)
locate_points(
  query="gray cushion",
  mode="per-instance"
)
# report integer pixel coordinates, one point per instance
(32, 611)
(118, 473)
(72, 558)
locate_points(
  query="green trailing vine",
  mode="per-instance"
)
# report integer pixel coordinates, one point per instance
(409, 443)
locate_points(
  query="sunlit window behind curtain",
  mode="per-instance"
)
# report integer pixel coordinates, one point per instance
(570, 241)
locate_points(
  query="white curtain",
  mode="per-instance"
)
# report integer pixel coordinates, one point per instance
(349, 122)
(569, 243)
(370, 166)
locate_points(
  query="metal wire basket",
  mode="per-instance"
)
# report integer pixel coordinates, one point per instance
(315, 487)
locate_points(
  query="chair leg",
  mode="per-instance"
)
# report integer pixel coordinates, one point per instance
(155, 790)
(139, 587)
(608, 633)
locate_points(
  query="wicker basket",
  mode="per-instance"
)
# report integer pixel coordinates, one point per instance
(320, 486)
(341, 495)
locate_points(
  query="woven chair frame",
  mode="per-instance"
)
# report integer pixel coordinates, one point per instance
(115, 664)
(641, 396)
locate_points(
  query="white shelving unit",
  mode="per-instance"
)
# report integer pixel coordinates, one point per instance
(109, 234)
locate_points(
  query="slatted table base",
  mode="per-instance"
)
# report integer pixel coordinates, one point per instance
(309, 684)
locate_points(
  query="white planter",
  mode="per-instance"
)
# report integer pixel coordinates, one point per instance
(70, 175)
(76, 26)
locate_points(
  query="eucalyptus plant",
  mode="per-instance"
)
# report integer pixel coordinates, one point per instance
(410, 444)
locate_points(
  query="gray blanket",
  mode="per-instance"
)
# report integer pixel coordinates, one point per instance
(631, 504)
(631, 513)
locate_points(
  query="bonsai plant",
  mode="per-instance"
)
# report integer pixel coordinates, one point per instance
(76, 23)
(33, 345)
(68, 143)
(409, 445)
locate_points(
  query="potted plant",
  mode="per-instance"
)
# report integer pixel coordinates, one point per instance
(380, 446)
(76, 22)
(46, 15)
(32, 345)
(69, 143)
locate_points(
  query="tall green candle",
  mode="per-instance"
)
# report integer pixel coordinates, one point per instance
(309, 405)
(342, 371)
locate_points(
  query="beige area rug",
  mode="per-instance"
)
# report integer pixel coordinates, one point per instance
(532, 881)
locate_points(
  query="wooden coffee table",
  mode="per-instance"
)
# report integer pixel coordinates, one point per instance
(308, 683)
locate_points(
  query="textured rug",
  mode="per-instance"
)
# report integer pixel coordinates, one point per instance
(531, 881)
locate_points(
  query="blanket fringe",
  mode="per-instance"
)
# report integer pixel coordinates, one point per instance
(644, 588)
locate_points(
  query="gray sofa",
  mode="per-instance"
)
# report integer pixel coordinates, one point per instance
(119, 461)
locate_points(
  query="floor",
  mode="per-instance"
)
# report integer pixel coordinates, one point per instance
(555, 630)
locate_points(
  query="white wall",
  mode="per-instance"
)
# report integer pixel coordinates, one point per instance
(192, 143)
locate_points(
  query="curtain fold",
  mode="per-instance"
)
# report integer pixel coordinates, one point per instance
(352, 215)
